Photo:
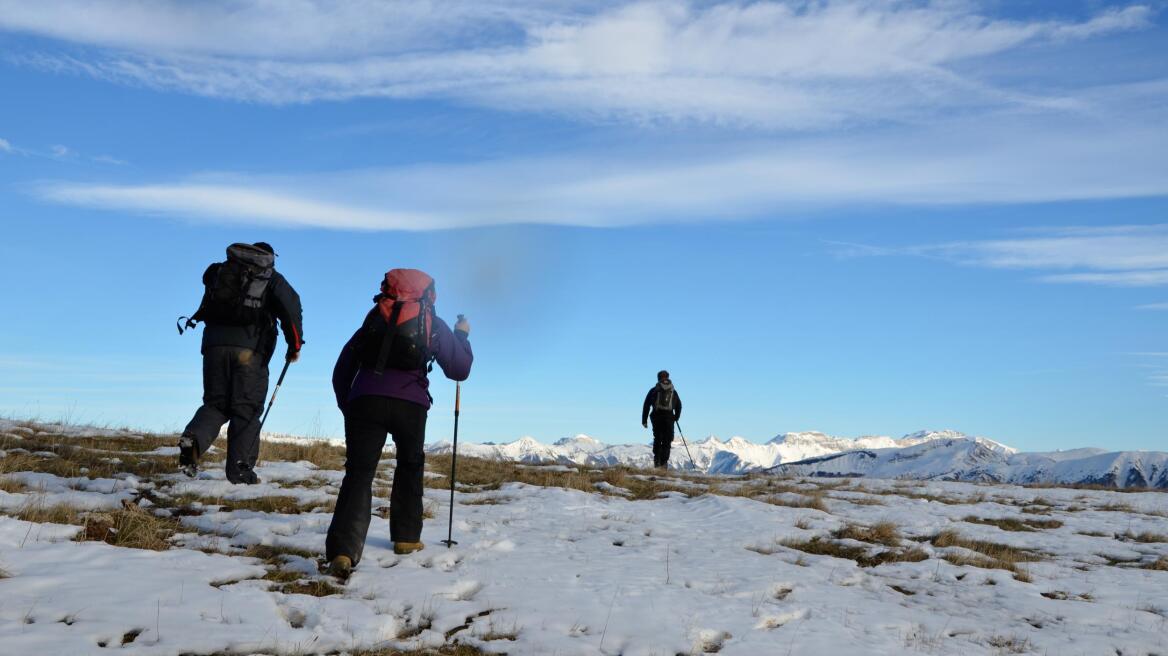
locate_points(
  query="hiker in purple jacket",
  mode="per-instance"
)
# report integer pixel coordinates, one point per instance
(390, 395)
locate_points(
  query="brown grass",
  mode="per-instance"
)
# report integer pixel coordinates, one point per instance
(987, 555)
(130, 527)
(276, 504)
(37, 512)
(1146, 537)
(88, 456)
(486, 501)
(821, 547)
(275, 554)
(1010, 644)
(323, 454)
(481, 475)
(1160, 564)
(447, 650)
(908, 492)
(315, 587)
(884, 533)
(1015, 523)
(11, 485)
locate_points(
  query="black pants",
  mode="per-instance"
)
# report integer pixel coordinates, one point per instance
(235, 382)
(367, 420)
(662, 438)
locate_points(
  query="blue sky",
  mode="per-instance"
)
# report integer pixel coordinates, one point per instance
(856, 217)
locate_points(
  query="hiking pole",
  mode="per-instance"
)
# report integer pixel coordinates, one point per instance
(449, 541)
(279, 382)
(682, 434)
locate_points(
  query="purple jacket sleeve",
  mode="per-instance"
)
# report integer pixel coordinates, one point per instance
(452, 351)
(345, 370)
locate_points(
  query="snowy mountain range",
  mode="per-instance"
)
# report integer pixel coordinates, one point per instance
(925, 455)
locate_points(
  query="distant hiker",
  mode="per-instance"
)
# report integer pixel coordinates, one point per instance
(242, 299)
(381, 385)
(663, 405)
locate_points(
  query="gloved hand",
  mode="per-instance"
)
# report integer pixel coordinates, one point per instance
(292, 356)
(462, 325)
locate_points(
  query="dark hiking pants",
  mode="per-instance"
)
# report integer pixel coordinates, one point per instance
(235, 382)
(662, 438)
(367, 420)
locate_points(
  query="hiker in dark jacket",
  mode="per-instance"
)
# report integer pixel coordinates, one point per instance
(394, 401)
(663, 405)
(237, 346)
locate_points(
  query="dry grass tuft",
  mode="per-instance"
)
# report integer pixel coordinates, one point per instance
(884, 533)
(11, 485)
(446, 650)
(821, 547)
(131, 527)
(322, 453)
(1010, 644)
(276, 504)
(1160, 564)
(481, 475)
(1015, 524)
(1146, 537)
(275, 554)
(315, 587)
(987, 555)
(37, 512)
(487, 501)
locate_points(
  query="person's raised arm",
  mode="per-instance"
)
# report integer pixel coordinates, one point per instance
(288, 311)
(452, 348)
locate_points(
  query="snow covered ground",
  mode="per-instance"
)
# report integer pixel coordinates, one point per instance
(610, 562)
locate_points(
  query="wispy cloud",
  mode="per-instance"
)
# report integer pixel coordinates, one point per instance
(793, 65)
(956, 163)
(56, 151)
(1117, 256)
(1153, 306)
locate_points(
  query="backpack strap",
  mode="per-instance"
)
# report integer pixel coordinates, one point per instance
(387, 340)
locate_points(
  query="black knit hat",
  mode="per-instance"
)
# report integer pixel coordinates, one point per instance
(662, 375)
(265, 246)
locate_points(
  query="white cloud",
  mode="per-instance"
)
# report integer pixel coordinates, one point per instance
(1153, 306)
(1115, 256)
(1122, 250)
(1014, 162)
(1116, 279)
(5, 147)
(790, 65)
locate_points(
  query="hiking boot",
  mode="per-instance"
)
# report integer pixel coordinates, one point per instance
(247, 475)
(188, 456)
(403, 548)
(341, 567)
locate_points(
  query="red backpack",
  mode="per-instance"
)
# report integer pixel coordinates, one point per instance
(396, 332)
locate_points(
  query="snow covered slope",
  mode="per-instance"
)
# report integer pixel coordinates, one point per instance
(941, 455)
(579, 565)
(975, 459)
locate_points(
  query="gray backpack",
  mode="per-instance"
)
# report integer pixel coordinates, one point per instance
(664, 402)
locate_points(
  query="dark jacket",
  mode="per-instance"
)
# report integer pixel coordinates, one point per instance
(451, 350)
(651, 402)
(281, 302)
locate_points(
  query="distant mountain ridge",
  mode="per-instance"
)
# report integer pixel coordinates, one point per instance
(924, 455)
